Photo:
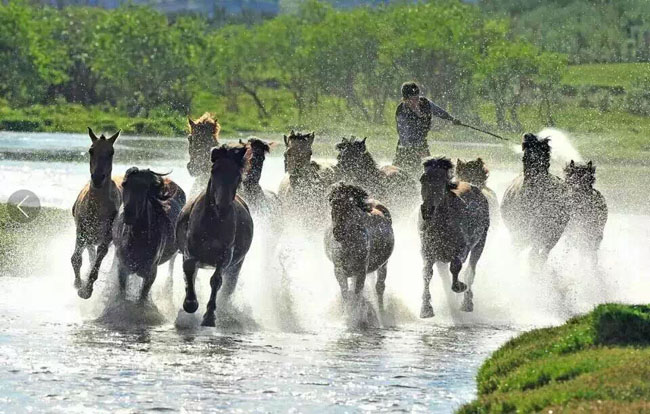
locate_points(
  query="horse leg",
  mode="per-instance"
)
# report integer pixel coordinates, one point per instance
(190, 267)
(76, 261)
(342, 278)
(468, 303)
(456, 285)
(215, 285)
(123, 277)
(86, 291)
(426, 311)
(92, 253)
(147, 282)
(380, 286)
(169, 285)
(230, 280)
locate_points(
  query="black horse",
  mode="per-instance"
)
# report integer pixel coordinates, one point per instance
(143, 231)
(216, 230)
(454, 221)
(360, 240)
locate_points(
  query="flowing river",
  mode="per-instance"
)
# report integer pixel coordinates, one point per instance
(287, 347)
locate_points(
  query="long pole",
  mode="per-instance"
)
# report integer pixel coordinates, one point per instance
(483, 131)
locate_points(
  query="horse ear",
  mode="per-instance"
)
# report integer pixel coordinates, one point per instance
(479, 159)
(286, 140)
(190, 122)
(363, 141)
(92, 135)
(241, 142)
(572, 164)
(114, 136)
(272, 144)
(310, 137)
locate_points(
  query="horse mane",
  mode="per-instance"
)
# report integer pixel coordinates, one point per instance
(358, 195)
(531, 143)
(444, 163)
(299, 136)
(232, 152)
(366, 161)
(206, 124)
(162, 195)
(474, 171)
(580, 173)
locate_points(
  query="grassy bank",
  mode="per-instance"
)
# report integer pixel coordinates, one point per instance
(594, 363)
(19, 241)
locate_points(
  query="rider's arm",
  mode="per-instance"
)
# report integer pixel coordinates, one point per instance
(441, 113)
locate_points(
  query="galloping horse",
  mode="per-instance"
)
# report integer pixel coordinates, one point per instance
(588, 209)
(304, 187)
(360, 240)
(94, 210)
(263, 202)
(204, 134)
(454, 221)
(476, 173)
(535, 207)
(388, 183)
(143, 231)
(216, 230)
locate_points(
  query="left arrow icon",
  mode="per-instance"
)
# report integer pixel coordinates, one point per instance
(23, 206)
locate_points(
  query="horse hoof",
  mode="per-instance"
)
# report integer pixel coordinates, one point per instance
(467, 307)
(459, 287)
(426, 312)
(208, 320)
(190, 305)
(85, 292)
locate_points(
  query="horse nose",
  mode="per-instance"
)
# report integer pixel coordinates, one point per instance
(98, 179)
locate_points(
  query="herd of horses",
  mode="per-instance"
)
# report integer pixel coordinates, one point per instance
(354, 203)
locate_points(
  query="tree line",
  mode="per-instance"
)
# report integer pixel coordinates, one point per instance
(139, 60)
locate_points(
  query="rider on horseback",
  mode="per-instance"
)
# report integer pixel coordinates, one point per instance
(413, 117)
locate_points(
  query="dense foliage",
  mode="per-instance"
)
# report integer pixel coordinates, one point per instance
(138, 60)
(587, 31)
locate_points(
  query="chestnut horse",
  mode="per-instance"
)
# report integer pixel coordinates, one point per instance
(588, 209)
(204, 134)
(262, 202)
(95, 209)
(304, 187)
(390, 184)
(360, 240)
(453, 224)
(476, 173)
(536, 206)
(143, 231)
(216, 230)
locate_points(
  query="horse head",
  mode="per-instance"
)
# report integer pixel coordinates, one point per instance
(580, 176)
(436, 180)
(142, 190)
(297, 155)
(256, 152)
(537, 154)
(228, 164)
(473, 172)
(352, 153)
(345, 200)
(101, 157)
(204, 134)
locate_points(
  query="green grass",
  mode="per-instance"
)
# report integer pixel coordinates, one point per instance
(596, 362)
(608, 75)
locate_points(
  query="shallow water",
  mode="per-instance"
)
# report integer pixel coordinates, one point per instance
(285, 345)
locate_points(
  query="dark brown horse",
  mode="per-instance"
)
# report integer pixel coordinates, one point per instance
(204, 134)
(476, 173)
(95, 209)
(216, 230)
(143, 231)
(360, 240)
(454, 221)
(536, 206)
(304, 188)
(588, 209)
(355, 165)
(262, 202)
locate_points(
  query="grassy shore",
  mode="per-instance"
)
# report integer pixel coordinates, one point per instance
(593, 363)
